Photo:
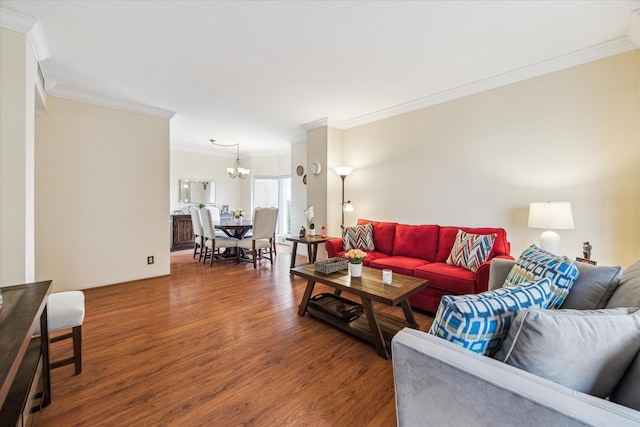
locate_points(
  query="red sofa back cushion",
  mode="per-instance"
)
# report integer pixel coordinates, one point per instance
(417, 241)
(383, 234)
(448, 237)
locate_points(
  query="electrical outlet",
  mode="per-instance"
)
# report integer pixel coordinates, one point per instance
(150, 260)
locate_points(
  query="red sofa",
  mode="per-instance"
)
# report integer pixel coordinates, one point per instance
(422, 251)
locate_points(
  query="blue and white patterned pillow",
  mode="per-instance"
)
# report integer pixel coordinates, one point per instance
(536, 263)
(480, 322)
(358, 237)
(470, 251)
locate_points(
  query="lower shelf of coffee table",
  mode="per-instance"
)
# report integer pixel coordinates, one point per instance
(389, 325)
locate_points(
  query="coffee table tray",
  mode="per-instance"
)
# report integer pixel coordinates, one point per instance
(336, 306)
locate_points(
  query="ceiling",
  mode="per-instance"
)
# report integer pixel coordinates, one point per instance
(253, 72)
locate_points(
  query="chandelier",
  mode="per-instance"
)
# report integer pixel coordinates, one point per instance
(236, 171)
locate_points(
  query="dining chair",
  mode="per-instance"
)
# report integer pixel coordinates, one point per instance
(213, 243)
(273, 241)
(264, 221)
(196, 222)
(275, 226)
(215, 216)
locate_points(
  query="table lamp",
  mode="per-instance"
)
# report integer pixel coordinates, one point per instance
(550, 215)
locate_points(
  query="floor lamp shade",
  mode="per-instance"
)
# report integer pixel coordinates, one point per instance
(550, 216)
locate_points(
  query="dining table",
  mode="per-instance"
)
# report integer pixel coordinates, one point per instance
(236, 229)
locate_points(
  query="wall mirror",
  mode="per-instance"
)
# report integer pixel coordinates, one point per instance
(193, 191)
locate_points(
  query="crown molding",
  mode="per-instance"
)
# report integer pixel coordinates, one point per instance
(325, 121)
(297, 139)
(633, 28)
(29, 26)
(118, 104)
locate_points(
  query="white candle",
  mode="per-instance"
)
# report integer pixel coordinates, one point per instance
(387, 276)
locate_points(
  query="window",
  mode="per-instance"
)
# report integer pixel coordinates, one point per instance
(274, 192)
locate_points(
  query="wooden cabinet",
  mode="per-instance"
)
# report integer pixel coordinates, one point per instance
(181, 232)
(24, 362)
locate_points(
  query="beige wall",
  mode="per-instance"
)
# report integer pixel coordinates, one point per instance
(18, 70)
(572, 135)
(102, 191)
(298, 189)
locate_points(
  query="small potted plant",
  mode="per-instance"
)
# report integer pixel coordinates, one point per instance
(311, 228)
(355, 257)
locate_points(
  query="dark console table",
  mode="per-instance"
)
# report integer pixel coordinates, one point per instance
(182, 236)
(24, 359)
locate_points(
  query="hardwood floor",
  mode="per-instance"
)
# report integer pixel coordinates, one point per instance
(214, 347)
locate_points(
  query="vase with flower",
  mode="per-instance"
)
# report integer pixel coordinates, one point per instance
(238, 214)
(355, 257)
(311, 227)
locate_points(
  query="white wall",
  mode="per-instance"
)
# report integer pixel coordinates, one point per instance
(572, 136)
(18, 70)
(102, 191)
(205, 168)
(233, 192)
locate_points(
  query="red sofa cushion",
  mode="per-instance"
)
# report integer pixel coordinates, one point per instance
(416, 241)
(383, 234)
(455, 280)
(448, 236)
(398, 264)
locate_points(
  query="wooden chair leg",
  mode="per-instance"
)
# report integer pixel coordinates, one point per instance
(77, 348)
(255, 255)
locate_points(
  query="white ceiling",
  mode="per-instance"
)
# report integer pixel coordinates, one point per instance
(255, 71)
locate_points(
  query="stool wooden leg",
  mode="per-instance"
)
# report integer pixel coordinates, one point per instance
(76, 334)
(77, 348)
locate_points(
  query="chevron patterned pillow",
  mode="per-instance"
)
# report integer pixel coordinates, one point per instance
(470, 251)
(358, 237)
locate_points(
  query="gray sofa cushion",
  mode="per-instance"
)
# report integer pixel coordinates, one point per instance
(593, 287)
(627, 293)
(627, 392)
(586, 350)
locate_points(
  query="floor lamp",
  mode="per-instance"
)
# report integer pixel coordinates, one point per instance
(343, 172)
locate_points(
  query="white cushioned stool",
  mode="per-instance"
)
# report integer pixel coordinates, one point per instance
(65, 310)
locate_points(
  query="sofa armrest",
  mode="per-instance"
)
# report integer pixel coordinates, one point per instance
(444, 384)
(333, 246)
(483, 275)
(500, 268)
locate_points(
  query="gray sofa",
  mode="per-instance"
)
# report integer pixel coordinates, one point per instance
(439, 383)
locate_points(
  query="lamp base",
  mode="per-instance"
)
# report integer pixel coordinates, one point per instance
(550, 242)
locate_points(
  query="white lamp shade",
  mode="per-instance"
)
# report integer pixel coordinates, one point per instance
(348, 207)
(551, 215)
(343, 170)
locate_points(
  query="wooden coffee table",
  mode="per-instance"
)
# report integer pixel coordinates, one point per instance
(377, 328)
